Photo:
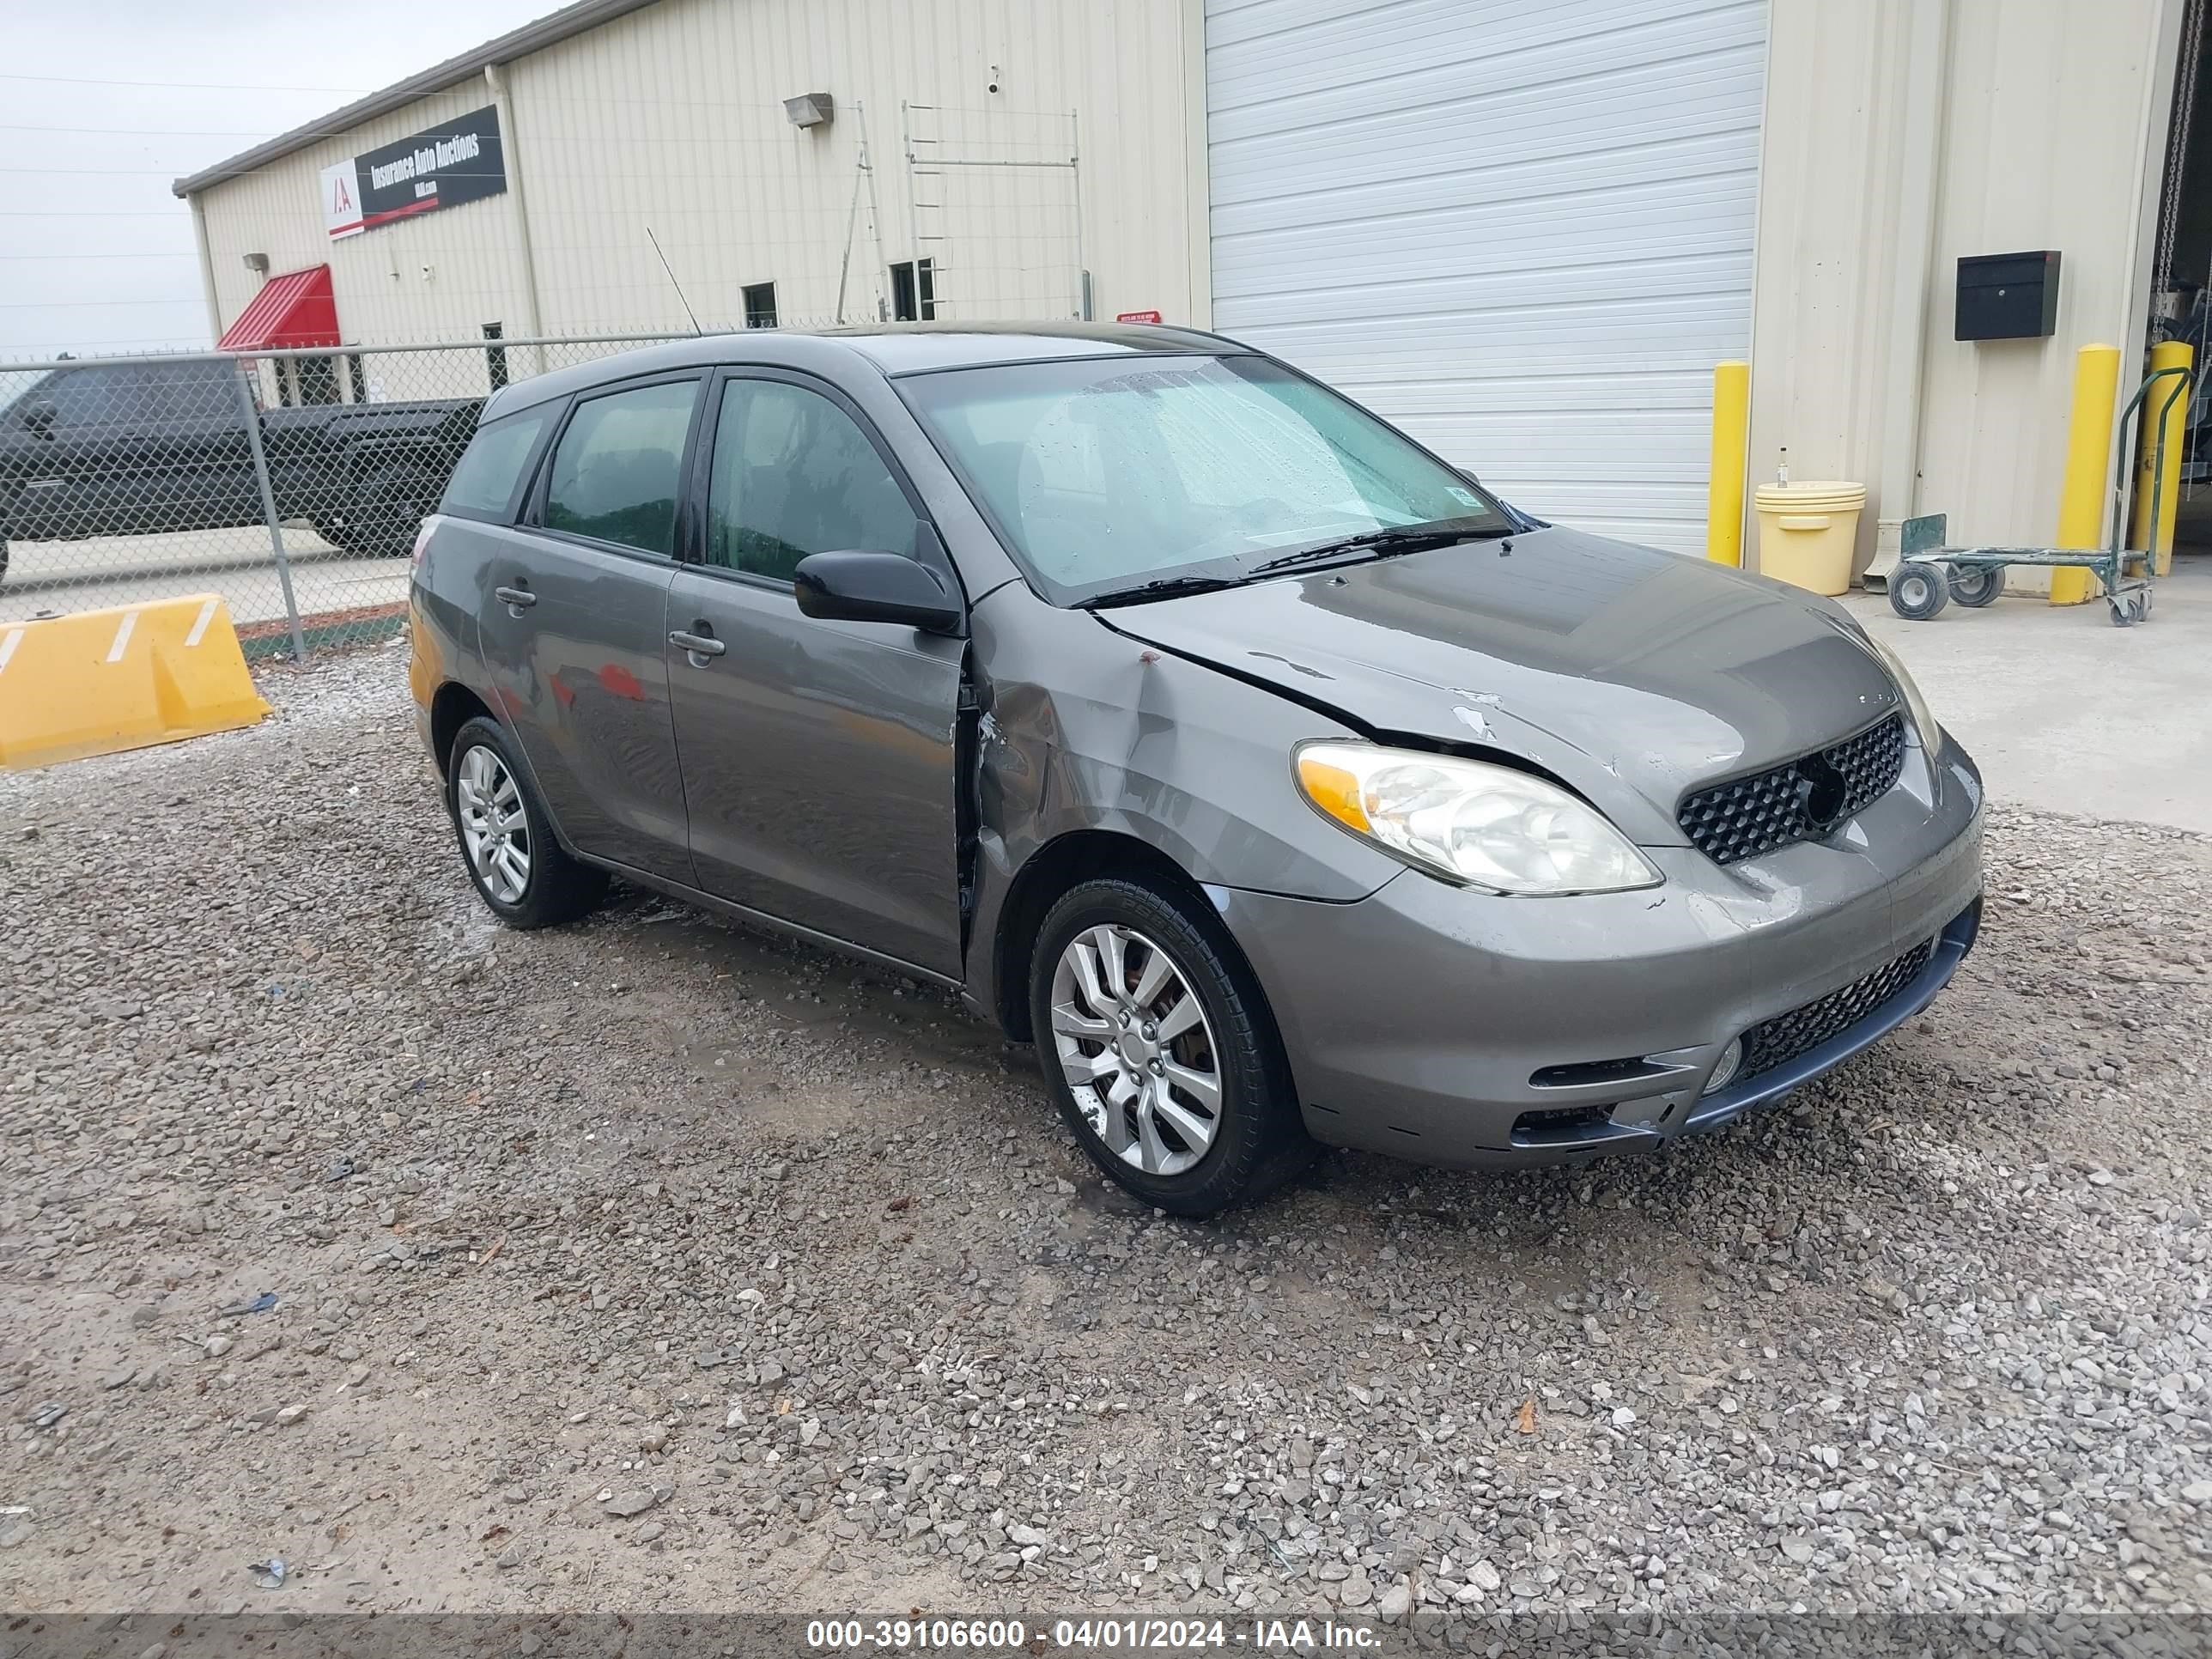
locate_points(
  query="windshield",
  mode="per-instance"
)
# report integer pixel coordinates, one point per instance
(1107, 474)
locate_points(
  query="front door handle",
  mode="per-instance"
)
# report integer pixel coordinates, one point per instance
(698, 644)
(517, 600)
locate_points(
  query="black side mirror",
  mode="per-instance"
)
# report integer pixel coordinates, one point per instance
(39, 415)
(880, 587)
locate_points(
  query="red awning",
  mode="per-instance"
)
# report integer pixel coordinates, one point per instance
(295, 309)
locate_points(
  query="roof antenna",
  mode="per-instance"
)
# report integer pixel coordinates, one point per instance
(672, 282)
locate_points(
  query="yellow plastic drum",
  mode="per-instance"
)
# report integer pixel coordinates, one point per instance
(1806, 531)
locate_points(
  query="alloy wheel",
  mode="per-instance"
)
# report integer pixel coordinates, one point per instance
(1136, 1048)
(495, 829)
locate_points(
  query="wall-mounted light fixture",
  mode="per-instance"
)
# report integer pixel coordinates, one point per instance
(810, 109)
(258, 263)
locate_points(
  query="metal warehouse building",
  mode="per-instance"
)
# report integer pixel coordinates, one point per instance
(1526, 230)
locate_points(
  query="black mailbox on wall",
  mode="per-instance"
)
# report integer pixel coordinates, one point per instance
(2008, 296)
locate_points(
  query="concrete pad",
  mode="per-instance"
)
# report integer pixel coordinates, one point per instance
(2066, 713)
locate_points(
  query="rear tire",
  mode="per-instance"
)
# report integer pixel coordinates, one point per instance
(520, 871)
(1976, 588)
(388, 506)
(1918, 591)
(1159, 1050)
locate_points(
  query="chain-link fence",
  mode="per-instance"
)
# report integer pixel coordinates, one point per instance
(291, 483)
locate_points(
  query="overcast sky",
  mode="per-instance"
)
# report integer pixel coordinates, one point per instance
(104, 102)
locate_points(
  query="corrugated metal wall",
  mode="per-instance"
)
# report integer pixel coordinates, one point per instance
(384, 294)
(672, 117)
(1902, 135)
(1522, 229)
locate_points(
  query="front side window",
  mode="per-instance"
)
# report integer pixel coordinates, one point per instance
(485, 484)
(794, 474)
(617, 468)
(1107, 473)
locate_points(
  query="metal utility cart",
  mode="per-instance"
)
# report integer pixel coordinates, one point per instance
(1928, 577)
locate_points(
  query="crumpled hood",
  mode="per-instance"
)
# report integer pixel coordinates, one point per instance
(1630, 674)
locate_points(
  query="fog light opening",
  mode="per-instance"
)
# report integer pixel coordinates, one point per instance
(1724, 1073)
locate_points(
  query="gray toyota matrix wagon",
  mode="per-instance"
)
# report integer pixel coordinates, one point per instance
(1280, 783)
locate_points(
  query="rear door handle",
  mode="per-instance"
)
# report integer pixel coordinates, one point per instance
(699, 645)
(519, 597)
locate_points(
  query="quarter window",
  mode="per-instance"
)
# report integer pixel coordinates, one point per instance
(794, 474)
(483, 485)
(617, 470)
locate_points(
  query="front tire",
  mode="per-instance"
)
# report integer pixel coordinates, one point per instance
(1159, 1050)
(520, 871)
(1918, 591)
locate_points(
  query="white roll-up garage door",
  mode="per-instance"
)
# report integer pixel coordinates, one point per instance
(1520, 228)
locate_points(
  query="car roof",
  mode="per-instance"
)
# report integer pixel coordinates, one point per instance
(911, 348)
(890, 349)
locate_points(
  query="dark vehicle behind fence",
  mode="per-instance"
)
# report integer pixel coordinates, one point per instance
(132, 449)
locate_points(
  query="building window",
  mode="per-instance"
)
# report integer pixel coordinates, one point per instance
(914, 291)
(760, 305)
(495, 356)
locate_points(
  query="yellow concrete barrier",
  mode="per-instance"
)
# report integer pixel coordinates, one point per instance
(104, 680)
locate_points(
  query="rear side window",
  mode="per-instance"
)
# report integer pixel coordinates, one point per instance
(616, 468)
(483, 485)
(90, 397)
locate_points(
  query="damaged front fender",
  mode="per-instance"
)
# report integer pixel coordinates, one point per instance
(1080, 728)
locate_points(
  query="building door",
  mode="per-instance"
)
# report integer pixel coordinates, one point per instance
(1521, 230)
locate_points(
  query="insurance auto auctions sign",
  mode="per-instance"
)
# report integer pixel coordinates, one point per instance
(458, 162)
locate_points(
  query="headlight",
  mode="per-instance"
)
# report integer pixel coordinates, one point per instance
(1931, 735)
(1486, 826)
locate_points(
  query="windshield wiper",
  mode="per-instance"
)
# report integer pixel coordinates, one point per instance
(1166, 588)
(1397, 538)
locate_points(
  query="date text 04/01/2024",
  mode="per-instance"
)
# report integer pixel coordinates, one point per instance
(1293, 1636)
(1258, 1636)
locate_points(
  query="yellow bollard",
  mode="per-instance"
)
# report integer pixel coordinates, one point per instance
(2166, 354)
(1724, 492)
(2081, 497)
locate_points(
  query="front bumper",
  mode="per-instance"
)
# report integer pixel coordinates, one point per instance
(1463, 1030)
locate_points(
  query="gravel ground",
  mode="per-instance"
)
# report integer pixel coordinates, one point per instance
(653, 1265)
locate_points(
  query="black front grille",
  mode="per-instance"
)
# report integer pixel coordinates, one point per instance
(1796, 800)
(1778, 1041)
